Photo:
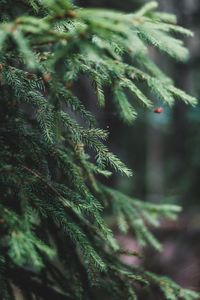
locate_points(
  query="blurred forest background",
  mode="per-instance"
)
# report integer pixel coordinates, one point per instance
(163, 150)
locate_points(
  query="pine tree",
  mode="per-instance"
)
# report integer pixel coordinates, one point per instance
(55, 242)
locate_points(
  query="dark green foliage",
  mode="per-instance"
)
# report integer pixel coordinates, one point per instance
(55, 243)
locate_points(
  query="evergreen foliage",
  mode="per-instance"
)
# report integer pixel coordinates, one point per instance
(55, 243)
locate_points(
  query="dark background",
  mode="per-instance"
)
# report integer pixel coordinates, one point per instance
(163, 150)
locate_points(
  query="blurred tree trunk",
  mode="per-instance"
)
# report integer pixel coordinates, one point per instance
(183, 78)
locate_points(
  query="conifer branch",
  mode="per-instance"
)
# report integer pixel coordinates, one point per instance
(52, 153)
